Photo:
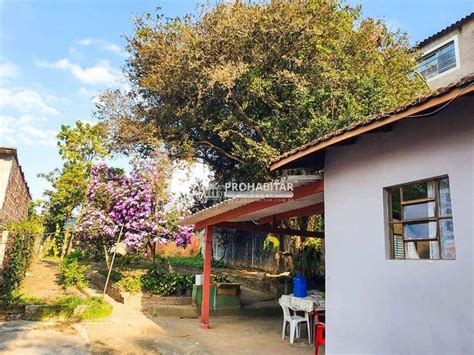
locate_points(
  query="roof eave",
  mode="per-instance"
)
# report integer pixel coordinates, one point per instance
(315, 149)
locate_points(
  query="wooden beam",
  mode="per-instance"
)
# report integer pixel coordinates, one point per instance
(299, 192)
(389, 119)
(267, 228)
(300, 212)
(239, 211)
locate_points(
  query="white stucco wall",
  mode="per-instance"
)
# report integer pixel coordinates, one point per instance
(5, 168)
(465, 54)
(379, 306)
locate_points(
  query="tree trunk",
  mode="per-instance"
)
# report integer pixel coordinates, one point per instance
(71, 241)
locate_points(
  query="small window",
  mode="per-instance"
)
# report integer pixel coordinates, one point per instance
(438, 61)
(420, 221)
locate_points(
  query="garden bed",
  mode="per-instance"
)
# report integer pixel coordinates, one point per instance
(138, 300)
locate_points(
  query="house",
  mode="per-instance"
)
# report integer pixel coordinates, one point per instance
(398, 207)
(448, 56)
(14, 193)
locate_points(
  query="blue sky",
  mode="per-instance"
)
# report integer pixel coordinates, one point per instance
(55, 56)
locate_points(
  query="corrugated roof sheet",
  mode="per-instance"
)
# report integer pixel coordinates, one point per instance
(243, 199)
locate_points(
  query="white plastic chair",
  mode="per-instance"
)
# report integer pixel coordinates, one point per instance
(294, 322)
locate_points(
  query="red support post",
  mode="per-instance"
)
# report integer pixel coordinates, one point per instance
(206, 288)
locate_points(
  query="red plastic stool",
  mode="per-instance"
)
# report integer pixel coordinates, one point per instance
(320, 337)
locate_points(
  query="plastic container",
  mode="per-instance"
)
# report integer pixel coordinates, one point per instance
(300, 286)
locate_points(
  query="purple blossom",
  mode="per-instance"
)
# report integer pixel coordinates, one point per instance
(137, 202)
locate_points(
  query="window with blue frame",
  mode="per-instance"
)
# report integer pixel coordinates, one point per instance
(438, 61)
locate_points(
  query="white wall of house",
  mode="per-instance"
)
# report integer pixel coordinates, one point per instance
(379, 306)
(5, 168)
(464, 41)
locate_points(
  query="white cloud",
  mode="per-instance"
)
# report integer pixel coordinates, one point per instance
(106, 45)
(27, 101)
(83, 91)
(8, 70)
(102, 73)
(22, 130)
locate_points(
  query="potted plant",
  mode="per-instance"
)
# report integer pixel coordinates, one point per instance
(306, 265)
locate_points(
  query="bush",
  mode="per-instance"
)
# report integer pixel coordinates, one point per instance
(130, 283)
(164, 284)
(18, 255)
(309, 259)
(219, 278)
(72, 273)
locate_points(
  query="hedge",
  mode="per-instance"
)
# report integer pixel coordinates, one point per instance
(18, 255)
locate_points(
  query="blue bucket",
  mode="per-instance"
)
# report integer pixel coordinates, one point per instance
(300, 286)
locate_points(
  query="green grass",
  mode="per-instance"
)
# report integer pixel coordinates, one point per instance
(63, 309)
(193, 261)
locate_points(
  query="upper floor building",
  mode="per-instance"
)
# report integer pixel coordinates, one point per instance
(448, 56)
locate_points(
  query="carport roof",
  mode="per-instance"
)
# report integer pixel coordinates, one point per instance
(307, 199)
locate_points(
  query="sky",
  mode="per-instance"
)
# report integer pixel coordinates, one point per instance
(56, 56)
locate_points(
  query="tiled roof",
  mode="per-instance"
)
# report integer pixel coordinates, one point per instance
(446, 30)
(464, 82)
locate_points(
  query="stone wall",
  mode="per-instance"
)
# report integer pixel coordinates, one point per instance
(15, 195)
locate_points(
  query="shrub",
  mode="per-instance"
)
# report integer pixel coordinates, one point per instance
(219, 278)
(161, 283)
(309, 259)
(18, 255)
(76, 255)
(72, 273)
(130, 283)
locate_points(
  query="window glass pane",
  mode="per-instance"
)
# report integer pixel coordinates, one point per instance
(415, 231)
(398, 252)
(422, 250)
(441, 60)
(444, 203)
(420, 210)
(395, 199)
(418, 190)
(448, 250)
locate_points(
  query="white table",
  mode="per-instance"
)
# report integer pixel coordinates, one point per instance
(313, 302)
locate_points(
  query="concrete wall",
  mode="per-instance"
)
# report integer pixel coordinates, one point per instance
(245, 250)
(465, 38)
(14, 197)
(379, 306)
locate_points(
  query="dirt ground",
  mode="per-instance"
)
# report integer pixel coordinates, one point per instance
(128, 331)
(42, 281)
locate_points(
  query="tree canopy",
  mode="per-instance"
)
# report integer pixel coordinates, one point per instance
(79, 147)
(243, 81)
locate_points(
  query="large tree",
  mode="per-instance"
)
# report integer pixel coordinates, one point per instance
(243, 81)
(79, 147)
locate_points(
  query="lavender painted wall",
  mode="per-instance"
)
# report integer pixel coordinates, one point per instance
(380, 306)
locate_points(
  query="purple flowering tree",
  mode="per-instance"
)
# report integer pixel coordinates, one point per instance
(138, 204)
